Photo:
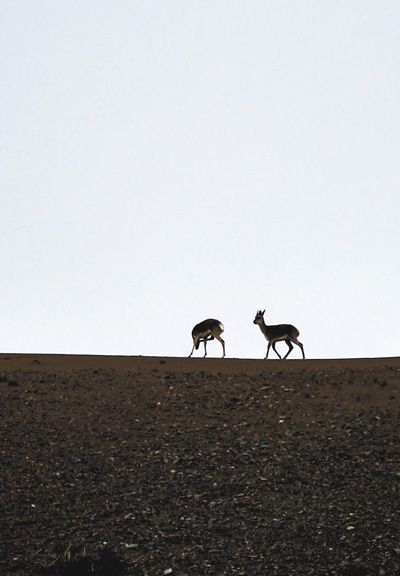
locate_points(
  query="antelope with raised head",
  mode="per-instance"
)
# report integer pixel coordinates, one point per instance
(205, 331)
(279, 332)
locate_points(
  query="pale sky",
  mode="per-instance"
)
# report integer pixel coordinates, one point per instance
(163, 162)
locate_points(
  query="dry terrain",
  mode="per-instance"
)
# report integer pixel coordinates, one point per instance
(157, 466)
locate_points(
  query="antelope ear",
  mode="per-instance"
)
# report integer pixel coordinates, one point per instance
(263, 312)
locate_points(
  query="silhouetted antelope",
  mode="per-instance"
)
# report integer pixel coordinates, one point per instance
(207, 330)
(276, 333)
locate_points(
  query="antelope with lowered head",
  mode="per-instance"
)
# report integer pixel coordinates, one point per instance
(205, 331)
(279, 332)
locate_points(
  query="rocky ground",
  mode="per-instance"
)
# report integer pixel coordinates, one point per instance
(193, 467)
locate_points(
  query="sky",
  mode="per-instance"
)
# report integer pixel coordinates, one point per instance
(167, 161)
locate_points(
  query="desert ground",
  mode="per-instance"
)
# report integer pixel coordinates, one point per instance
(191, 466)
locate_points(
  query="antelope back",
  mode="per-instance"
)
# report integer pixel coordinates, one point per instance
(207, 327)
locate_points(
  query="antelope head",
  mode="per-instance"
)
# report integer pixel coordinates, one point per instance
(259, 319)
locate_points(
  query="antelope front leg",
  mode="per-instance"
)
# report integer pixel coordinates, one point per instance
(276, 351)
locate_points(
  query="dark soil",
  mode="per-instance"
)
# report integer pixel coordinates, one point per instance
(281, 469)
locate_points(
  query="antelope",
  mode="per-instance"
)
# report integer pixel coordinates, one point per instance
(205, 331)
(274, 334)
